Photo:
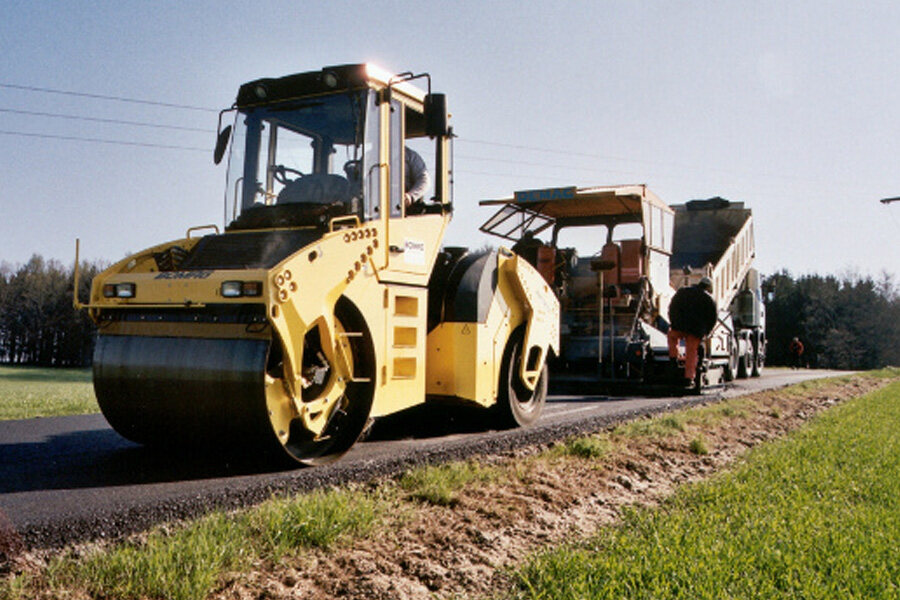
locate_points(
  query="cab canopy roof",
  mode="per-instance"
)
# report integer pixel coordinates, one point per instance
(536, 210)
(325, 81)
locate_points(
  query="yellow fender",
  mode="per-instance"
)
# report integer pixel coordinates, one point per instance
(541, 313)
(303, 295)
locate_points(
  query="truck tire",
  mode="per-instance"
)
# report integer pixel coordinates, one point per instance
(743, 370)
(517, 406)
(759, 355)
(731, 367)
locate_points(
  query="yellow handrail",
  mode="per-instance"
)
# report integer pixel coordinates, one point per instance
(201, 227)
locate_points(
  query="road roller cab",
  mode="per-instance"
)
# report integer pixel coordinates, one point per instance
(327, 299)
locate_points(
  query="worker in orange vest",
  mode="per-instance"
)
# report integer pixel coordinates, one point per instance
(796, 351)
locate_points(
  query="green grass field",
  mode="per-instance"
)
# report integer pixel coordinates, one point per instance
(815, 515)
(27, 392)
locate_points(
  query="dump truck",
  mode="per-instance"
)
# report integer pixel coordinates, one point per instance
(327, 299)
(714, 238)
(635, 251)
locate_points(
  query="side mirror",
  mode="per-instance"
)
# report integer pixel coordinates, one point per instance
(221, 144)
(436, 122)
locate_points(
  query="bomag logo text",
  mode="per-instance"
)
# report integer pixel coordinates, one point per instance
(184, 275)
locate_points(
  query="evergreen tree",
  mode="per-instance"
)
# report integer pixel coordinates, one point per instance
(847, 323)
(38, 323)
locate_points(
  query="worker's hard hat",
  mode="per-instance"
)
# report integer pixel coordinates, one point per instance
(706, 283)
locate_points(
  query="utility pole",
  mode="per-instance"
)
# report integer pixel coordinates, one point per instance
(889, 200)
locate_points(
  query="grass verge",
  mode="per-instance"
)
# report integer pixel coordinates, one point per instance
(811, 516)
(441, 484)
(28, 392)
(187, 563)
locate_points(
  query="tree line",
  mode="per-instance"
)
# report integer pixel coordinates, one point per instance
(38, 324)
(850, 322)
(844, 323)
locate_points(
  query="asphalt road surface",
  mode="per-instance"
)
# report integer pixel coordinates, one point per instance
(67, 479)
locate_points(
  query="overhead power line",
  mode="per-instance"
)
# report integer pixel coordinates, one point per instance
(561, 152)
(101, 120)
(29, 88)
(567, 180)
(545, 150)
(655, 164)
(100, 140)
(536, 164)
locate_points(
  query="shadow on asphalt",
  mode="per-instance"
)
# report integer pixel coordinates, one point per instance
(100, 458)
(432, 421)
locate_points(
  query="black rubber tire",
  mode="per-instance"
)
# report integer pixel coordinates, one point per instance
(759, 358)
(517, 406)
(743, 370)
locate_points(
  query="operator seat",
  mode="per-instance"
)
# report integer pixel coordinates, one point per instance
(611, 253)
(316, 189)
(631, 265)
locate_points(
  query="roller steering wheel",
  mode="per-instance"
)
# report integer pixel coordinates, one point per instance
(280, 172)
(352, 169)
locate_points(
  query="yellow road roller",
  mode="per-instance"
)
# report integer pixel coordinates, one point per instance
(326, 300)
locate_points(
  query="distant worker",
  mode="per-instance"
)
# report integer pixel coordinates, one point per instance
(796, 351)
(692, 315)
(417, 178)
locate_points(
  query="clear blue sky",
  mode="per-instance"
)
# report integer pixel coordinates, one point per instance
(791, 107)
